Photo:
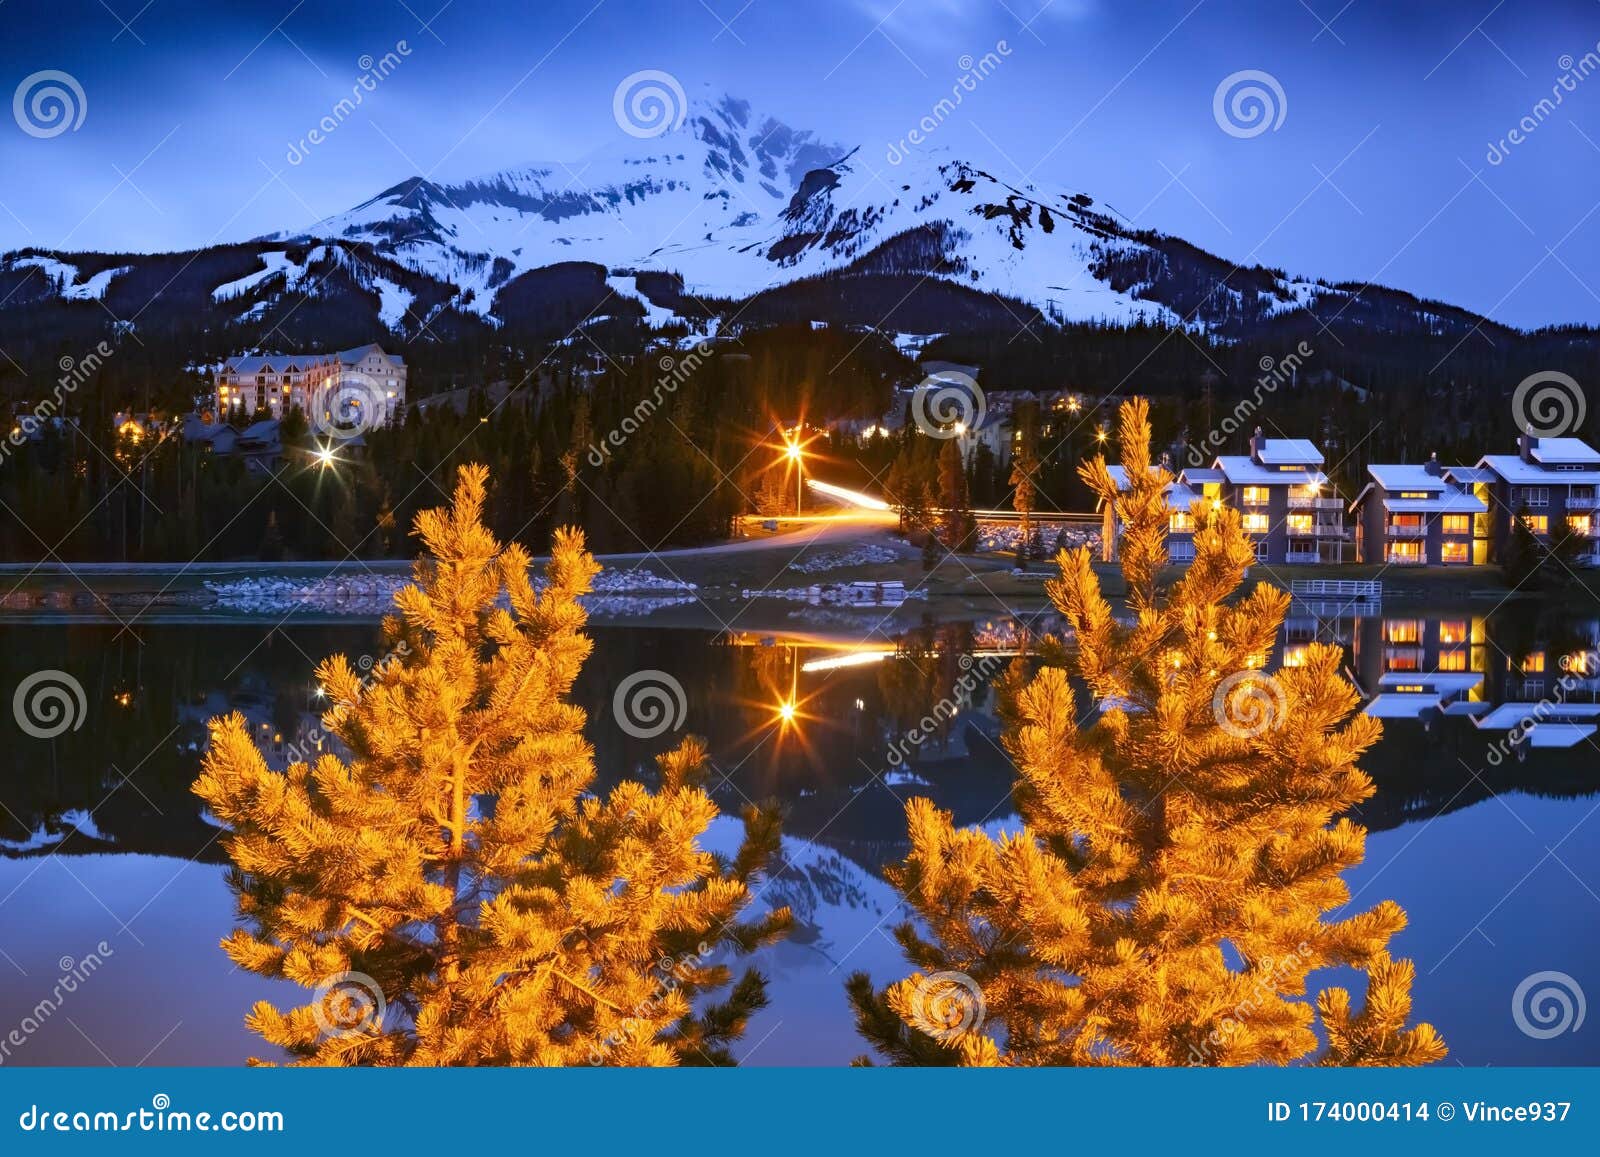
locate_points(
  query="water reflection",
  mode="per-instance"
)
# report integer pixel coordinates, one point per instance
(100, 838)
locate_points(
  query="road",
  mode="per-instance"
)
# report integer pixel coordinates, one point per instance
(809, 530)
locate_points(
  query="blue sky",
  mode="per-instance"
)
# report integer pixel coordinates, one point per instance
(1378, 170)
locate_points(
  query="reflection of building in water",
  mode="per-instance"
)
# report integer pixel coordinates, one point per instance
(284, 729)
(1546, 687)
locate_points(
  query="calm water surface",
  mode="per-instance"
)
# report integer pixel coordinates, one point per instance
(1496, 862)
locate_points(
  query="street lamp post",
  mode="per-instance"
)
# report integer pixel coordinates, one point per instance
(799, 469)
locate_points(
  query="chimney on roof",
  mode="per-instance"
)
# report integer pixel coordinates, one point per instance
(1432, 466)
(1258, 441)
(1527, 442)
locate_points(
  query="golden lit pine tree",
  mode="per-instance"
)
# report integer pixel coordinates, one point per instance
(456, 874)
(1180, 867)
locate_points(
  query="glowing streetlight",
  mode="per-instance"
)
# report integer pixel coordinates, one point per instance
(325, 456)
(786, 711)
(794, 452)
(1100, 434)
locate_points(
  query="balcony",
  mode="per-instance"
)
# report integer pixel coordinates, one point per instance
(1306, 502)
(1301, 556)
(1330, 530)
(1401, 530)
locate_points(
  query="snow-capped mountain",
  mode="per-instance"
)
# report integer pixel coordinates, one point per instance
(730, 218)
(736, 203)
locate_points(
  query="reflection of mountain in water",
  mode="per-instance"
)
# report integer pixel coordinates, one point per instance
(836, 903)
(121, 782)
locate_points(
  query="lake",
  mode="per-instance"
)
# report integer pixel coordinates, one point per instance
(1492, 847)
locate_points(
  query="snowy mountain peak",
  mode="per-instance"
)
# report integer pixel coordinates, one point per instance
(731, 208)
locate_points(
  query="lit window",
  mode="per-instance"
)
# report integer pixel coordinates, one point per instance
(1533, 664)
(1402, 630)
(1580, 523)
(1538, 523)
(1453, 631)
(1457, 524)
(1453, 552)
(1299, 524)
(1255, 496)
(1256, 523)
(1453, 661)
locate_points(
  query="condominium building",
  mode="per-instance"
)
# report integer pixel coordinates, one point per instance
(1551, 484)
(1290, 509)
(1418, 515)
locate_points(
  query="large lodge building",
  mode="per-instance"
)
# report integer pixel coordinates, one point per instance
(276, 383)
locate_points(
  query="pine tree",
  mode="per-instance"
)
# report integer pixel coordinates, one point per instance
(957, 526)
(1180, 862)
(452, 890)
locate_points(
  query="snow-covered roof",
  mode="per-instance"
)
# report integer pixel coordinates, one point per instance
(1468, 475)
(1201, 475)
(1241, 470)
(1393, 477)
(351, 357)
(269, 363)
(1288, 452)
(282, 363)
(1441, 498)
(1513, 469)
(1179, 496)
(1563, 452)
(265, 430)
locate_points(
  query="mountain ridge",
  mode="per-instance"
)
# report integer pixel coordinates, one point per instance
(730, 218)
